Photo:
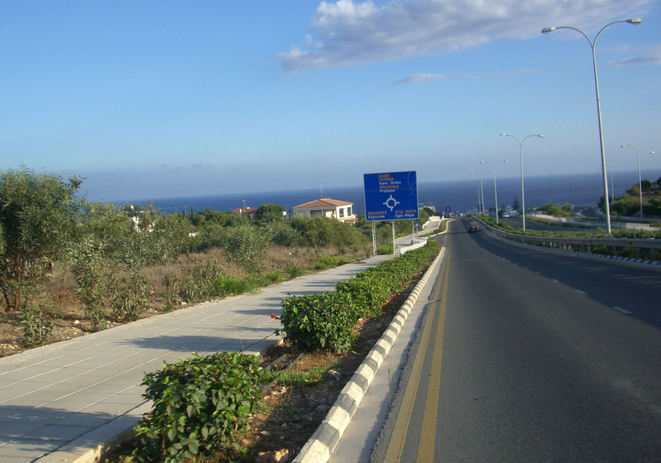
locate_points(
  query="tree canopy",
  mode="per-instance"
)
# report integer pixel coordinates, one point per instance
(36, 217)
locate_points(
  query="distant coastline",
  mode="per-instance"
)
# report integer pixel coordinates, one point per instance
(579, 190)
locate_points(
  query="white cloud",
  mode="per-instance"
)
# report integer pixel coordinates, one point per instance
(347, 33)
(419, 78)
(651, 58)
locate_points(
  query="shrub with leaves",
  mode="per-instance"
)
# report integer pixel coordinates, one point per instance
(90, 271)
(38, 324)
(197, 283)
(129, 297)
(200, 405)
(326, 261)
(368, 293)
(295, 270)
(325, 321)
(227, 284)
(320, 321)
(246, 246)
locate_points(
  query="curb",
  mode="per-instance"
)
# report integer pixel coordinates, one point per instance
(320, 446)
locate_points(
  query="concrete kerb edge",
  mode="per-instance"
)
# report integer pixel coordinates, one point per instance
(109, 436)
(320, 446)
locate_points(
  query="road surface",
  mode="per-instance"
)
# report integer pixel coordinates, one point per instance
(531, 356)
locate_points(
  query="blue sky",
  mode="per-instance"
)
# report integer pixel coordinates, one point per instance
(163, 98)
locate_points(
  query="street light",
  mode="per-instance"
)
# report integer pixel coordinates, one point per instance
(640, 181)
(480, 191)
(495, 190)
(523, 190)
(593, 44)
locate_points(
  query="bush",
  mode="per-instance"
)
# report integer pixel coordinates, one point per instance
(274, 277)
(200, 405)
(129, 298)
(327, 261)
(368, 293)
(325, 321)
(245, 245)
(226, 284)
(295, 270)
(319, 321)
(38, 324)
(197, 283)
(281, 233)
(384, 249)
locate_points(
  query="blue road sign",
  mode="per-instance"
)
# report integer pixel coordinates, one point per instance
(391, 196)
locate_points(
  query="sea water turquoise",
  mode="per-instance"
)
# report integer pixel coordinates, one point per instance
(578, 190)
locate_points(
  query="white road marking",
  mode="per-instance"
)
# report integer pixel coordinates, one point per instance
(620, 309)
(579, 291)
(554, 280)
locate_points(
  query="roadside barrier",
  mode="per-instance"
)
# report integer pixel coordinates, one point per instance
(634, 249)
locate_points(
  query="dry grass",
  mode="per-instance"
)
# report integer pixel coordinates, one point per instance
(59, 294)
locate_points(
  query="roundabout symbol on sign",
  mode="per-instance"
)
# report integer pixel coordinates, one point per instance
(390, 203)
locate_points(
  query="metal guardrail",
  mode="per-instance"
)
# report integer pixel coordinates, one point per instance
(641, 247)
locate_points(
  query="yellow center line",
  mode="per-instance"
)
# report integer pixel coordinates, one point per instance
(398, 436)
(428, 432)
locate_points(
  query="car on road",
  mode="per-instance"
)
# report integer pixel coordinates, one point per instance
(473, 227)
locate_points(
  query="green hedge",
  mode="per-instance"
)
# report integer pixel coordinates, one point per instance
(325, 321)
(320, 321)
(200, 405)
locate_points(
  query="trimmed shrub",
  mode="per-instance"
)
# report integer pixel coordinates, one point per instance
(368, 293)
(320, 321)
(200, 405)
(325, 321)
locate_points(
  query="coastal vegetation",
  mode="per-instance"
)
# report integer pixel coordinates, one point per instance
(71, 266)
(629, 203)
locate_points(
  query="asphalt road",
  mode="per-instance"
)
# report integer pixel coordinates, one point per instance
(523, 357)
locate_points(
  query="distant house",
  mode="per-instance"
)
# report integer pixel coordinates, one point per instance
(327, 207)
(247, 211)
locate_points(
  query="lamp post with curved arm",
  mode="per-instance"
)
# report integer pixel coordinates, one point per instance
(640, 181)
(523, 190)
(480, 192)
(495, 190)
(593, 44)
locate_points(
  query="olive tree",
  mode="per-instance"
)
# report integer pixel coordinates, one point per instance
(36, 219)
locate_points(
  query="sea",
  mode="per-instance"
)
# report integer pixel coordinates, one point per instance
(457, 196)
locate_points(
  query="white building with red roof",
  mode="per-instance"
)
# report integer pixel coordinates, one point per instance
(327, 207)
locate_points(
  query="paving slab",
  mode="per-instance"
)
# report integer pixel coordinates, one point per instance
(73, 396)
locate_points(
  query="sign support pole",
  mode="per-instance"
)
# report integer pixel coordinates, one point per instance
(373, 239)
(394, 245)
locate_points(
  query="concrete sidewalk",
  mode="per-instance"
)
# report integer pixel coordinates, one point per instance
(62, 402)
